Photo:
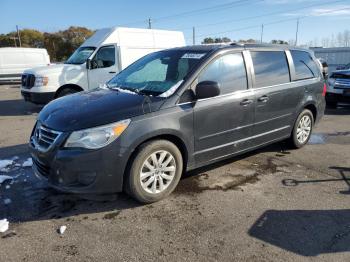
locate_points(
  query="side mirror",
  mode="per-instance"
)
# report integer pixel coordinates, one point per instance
(206, 89)
(88, 63)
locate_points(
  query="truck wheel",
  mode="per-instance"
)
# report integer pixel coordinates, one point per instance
(65, 92)
(302, 129)
(154, 172)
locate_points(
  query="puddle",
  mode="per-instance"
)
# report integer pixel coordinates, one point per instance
(316, 139)
(234, 176)
(339, 138)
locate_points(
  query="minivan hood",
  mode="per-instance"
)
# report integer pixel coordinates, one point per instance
(52, 69)
(94, 108)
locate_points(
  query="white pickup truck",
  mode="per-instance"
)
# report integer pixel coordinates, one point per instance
(95, 62)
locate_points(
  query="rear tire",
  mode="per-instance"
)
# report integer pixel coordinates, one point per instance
(154, 172)
(66, 92)
(302, 129)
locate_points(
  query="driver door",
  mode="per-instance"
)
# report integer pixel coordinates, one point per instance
(223, 124)
(103, 66)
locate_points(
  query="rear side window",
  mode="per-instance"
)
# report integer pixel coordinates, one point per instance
(229, 71)
(270, 67)
(305, 66)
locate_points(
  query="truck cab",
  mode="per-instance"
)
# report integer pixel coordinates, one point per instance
(95, 62)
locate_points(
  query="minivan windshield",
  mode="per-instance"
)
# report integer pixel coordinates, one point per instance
(80, 55)
(157, 73)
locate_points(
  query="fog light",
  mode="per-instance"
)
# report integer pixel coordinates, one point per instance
(87, 178)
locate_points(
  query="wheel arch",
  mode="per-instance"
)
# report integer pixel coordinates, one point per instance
(69, 86)
(179, 142)
(312, 107)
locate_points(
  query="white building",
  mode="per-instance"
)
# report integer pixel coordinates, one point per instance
(335, 56)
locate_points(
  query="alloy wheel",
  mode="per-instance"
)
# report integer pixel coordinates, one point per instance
(157, 171)
(304, 129)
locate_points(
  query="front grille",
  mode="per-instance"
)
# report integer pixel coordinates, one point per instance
(28, 80)
(41, 168)
(342, 83)
(43, 138)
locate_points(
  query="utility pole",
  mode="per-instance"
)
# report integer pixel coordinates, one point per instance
(149, 23)
(296, 33)
(262, 33)
(194, 35)
(19, 37)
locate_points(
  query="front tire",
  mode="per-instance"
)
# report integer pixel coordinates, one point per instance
(302, 129)
(155, 171)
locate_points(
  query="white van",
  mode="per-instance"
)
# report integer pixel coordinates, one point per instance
(13, 61)
(95, 62)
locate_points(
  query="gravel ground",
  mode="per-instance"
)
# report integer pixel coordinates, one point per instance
(273, 204)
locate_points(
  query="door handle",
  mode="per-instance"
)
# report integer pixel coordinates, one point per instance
(246, 102)
(263, 99)
(112, 72)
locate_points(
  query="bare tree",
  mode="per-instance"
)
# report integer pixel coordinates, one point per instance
(325, 42)
(340, 39)
(346, 38)
(332, 44)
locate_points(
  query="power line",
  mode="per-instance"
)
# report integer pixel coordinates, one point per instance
(263, 15)
(271, 23)
(208, 9)
(198, 11)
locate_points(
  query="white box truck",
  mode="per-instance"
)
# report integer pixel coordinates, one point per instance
(14, 61)
(95, 62)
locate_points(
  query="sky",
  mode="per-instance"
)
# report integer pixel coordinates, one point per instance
(236, 19)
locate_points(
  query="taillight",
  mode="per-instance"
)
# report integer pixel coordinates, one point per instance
(324, 89)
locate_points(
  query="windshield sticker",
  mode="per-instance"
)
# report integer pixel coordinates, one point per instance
(193, 56)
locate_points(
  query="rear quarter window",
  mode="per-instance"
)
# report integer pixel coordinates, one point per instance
(270, 68)
(305, 66)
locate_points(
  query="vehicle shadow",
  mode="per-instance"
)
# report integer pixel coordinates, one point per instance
(18, 107)
(304, 232)
(11, 151)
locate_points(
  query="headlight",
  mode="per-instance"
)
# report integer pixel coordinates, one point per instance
(97, 137)
(41, 80)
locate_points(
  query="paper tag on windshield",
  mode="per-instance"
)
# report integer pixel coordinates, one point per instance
(192, 56)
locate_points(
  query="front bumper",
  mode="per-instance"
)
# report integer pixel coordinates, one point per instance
(38, 98)
(337, 97)
(80, 170)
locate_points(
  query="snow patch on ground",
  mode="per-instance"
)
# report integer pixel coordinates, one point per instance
(4, 178)
(7, 201)
(5, 163)
(4, 225)
(27, 163)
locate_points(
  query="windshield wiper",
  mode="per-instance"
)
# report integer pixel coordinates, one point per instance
(135, 91)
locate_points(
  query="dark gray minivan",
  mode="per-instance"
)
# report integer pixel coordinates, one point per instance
(176, 110)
